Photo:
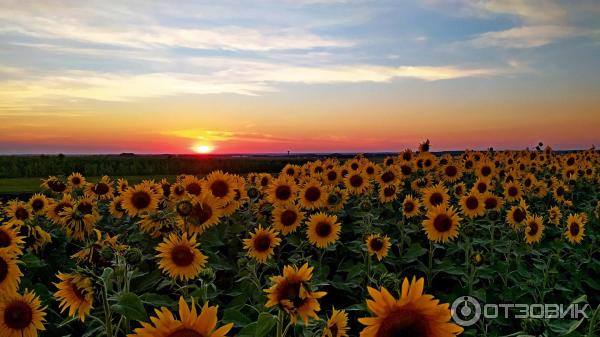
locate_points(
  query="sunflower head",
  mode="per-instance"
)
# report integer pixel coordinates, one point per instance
(312, 195)
(337, 324)
(21, 315)
(10, 274)
(575, 230)
(472, 205)
(18, 212)
(287, 218)
(323, 230)
(441, 224)
(10, 241)
(435, 196)
(378, 245)
(261, 243)
(140, 199)
(414, 314)
(534, 229)
(282, 190)
(75, 293)
(411, 206)
(39, 203)
(220, 185)
(180, 257)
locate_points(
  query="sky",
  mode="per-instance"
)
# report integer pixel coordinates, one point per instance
(297, 75)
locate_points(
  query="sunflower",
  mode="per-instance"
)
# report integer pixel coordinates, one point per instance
(414, 314)
(76, 224)
(388, 193)
(411, 206)
(291, 170)
(10, 274)
(485, 169)
(441, 224)
(534, 228)
(516, 215)
(91, 253)
(337, 199)
(89, 209)
(180, 257)
(178, 192)
(103, 189)
(54, 184)
(357, 182)
(559, 191)
(575, 228)
(10, 242)
(35, 237)
(512, 191)
(264, 180)
(554, 215)
(39, 203)
(434, 196)
(75, 293)
(287, 218)
(323, 230)
(332, 176)
(205, 212)
(312, 195)
(116, 207)
(192, 185)
(21, 315)
(492, 202)
(56, 207)
(451, 172)
(388, 175)
(189, 324)
(483, 185)
(378, 245)
(291, 292)
(75, 180)
(220, 185)
(337, 324)
(139, 200)
(282, 190)
(472, 205)
(157, 224)
(122, 185)
(18, 212)
(261, 243)
(460, 189)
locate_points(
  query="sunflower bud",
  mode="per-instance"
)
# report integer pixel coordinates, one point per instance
(207, 274)
(333, 199)
(477, 259)
(184, 208)
(365, 205)
(253, 193)
(133, 256)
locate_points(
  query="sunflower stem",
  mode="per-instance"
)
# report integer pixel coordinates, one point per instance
(430, 265)
(107, 313)
(280, 323)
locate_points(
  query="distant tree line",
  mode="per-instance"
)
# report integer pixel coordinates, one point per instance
(127, 165)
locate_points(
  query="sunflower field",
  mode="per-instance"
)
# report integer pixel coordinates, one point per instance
(328, 248)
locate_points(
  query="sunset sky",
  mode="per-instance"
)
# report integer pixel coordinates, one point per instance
(297, 75)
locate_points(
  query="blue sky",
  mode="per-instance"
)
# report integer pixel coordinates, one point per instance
(88, 65)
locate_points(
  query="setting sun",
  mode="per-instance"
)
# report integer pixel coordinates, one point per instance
(203, 148)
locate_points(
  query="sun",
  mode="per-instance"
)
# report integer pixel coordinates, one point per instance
(203, 148)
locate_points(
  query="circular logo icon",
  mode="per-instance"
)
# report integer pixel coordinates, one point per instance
(466, 311)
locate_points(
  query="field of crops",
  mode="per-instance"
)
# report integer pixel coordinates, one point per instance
(329, 248)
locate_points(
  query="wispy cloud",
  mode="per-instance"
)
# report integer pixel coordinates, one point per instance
(527, 36)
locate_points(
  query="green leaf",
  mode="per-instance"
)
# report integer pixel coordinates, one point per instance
(130, 306)
(265, 324)
(32, 261)
(233, 315)
(156, 300)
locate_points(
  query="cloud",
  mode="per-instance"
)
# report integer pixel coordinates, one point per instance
(527, 36)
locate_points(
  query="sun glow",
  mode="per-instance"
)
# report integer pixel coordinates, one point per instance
(203, 148)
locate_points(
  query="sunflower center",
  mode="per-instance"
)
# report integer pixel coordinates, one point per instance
(264, 181)
(85, 208)
(481, 187)
(166, 189)
(193, 188)
(141, 199)
(533, 228)
(78, 292)
(3, 269)
(75, 181)
(290, 172)
(323, 229)
(291, 292)
(21, 213)
(442, 223)
(376, 244)
(182, 256)
(570, 161)
(288, 217)
(37, 204)
(486, 171)
(406, 170)
(219, 188)
(370, 170)
(388, 176)
(18, 315)
(356, 181)
(409, 207)
(436, 199)
(403, 323)
(334, 330)
(185, 333)
(574, 229)
(312, 193)
(101, 188)
(491, 203)
(57, 186)
(519, 215)
(61, 207)
(389, 191)
(5, 240)
(560, 191)
(331, 175)
(472, 202)
(451, 170)
(262, 243)
(283, 192)
(354, 166)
